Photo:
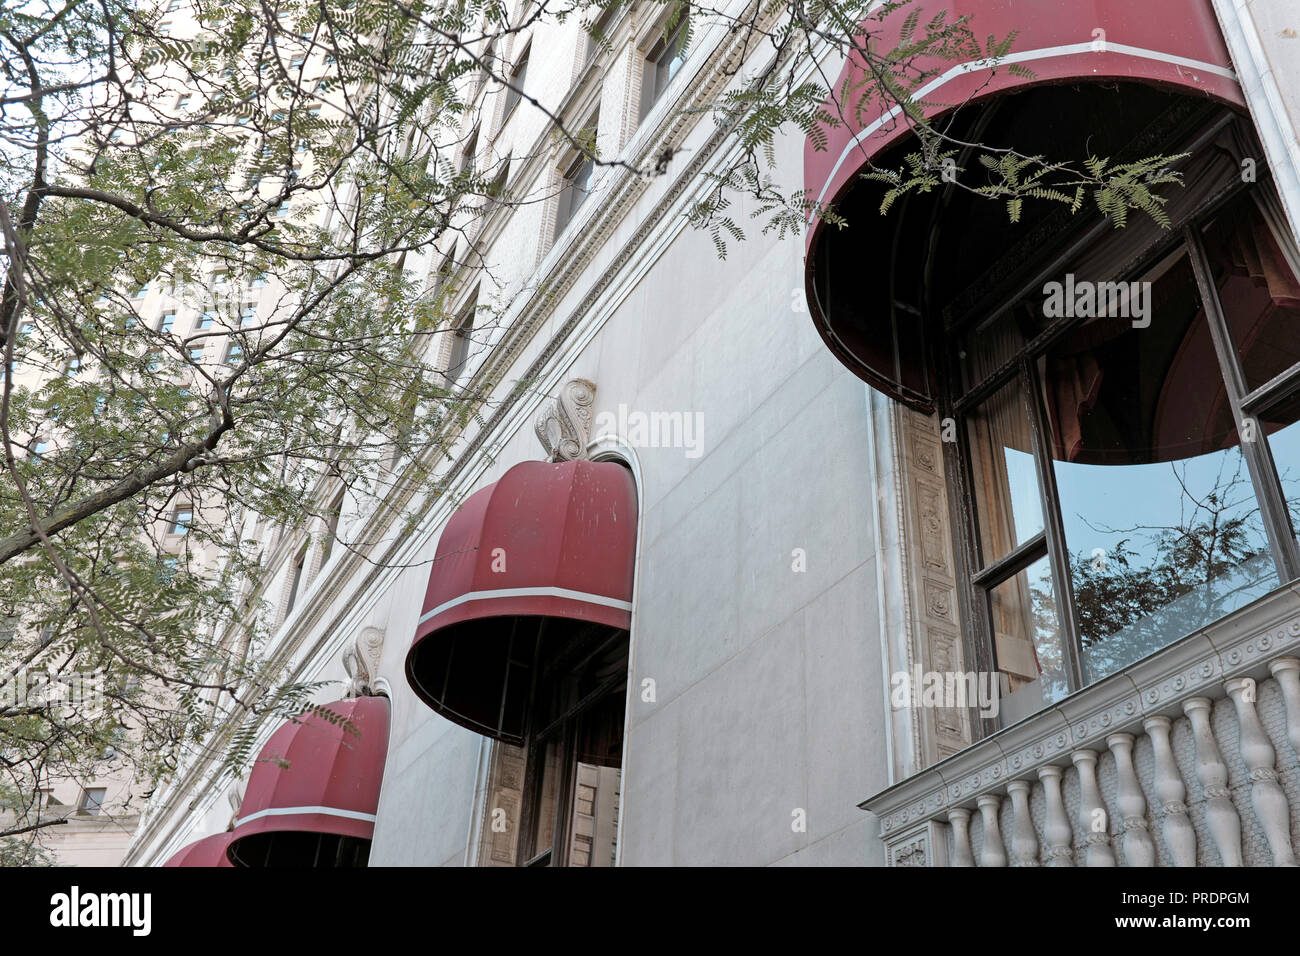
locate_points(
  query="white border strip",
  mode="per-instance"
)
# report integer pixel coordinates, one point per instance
(293, 811)
(1069, 49)
(527, 592)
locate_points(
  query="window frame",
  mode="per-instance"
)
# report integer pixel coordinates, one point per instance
(543, 726)
(89, 807)
(462, 337)
(567, 209)
(514, 86)
(977, 578)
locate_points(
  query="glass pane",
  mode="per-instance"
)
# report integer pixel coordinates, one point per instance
(594, 828)
(1161, 521)
(1027, 642)
(1258, 288)
(1282, 425)
(1008, 506)
(989, 345)
(545, 820)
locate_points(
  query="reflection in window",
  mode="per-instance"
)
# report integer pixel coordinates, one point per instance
(1159, 514)
(575, 751)
(1002, 467)
(1027, 642)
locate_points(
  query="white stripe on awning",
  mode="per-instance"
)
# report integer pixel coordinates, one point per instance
(527, 592)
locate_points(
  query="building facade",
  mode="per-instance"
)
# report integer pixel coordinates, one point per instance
(870, 546)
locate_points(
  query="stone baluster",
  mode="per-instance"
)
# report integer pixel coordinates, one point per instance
(1287, 672)
(1257, 752)
(1132, 804)
(959, 820)
(1093, 818)
(1024, 841)
(1220, 814)
(992, 853)
(1056, 830)
(1175, 827)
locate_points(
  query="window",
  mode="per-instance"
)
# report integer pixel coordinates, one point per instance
(92, 801)
(259, 280)
(577, 185)
(462, 336)
(183, 103)
(167, 321)
(207, 319)
(27, 328)
(665, 60)
(296, 61)
(39, 449)
(74, 366)
(1126, 408)
(515, 91)
(485, 70)
(234, 353)
(331, 528)
(597, 32)
(249, 315)
(295, 580)
(141, 292)
(181, 519)
(497, 188)
(467, 154)
(574, 751)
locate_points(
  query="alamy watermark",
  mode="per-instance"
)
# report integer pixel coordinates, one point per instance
(1090, 300)
(80, 691)
(658, 429)
(918, 688)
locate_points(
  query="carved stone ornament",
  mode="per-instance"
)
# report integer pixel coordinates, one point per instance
(564, 422)
(361, 661)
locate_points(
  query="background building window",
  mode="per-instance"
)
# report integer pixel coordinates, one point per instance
(462, 337)
(182, 518)
(577, 186)
(665, 60)
(597, 32)
(92, 801)
(295, 581)
(515, 91)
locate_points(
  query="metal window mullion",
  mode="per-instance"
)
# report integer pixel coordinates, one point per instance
(1011, 563)
(1058, 553)
(963, 509)
(1258, 455)
(1276, 389)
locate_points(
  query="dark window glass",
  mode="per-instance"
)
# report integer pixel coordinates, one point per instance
(1258, 288)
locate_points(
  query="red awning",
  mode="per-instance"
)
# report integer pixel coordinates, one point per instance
(210, 851)
(548, 549)
(315, 777)
(862, 283)
(1173, 43)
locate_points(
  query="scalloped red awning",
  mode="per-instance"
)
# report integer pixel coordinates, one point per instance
(1171, 43)
(210, 852)
(547, 549)
(319, 777)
